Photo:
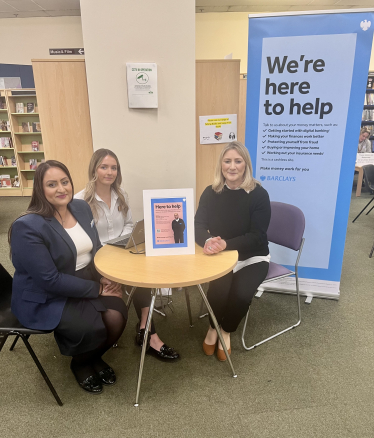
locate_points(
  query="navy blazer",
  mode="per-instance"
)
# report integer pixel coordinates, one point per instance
(44, 257)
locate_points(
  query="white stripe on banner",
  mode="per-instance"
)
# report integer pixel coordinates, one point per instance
(305, 90)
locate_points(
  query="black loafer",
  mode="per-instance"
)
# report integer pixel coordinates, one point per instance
(167, 354)
(107, 376)
(139, 338)
(92, 384)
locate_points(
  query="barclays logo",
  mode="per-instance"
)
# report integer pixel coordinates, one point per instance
(280, 178)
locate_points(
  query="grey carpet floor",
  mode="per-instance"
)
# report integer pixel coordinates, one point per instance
(315, 381)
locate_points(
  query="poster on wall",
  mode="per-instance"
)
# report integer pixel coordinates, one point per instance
(142, 84)
(169, 222)
(218, 129)
(306, 84)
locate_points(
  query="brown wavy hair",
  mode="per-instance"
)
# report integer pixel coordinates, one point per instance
(89, 195)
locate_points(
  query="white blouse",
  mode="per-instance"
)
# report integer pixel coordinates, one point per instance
(83, 244)
(111, 222)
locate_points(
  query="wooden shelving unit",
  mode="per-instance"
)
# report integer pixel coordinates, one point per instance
(369, 108)
(22, 148)
(8, 153)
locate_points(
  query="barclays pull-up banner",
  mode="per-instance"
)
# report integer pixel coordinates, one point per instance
(306, 84)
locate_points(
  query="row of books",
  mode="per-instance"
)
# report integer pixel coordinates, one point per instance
(20, 107)
(6, 142)
(369, 99)
(370, 83)
(4, 125)
(6, 181)
(5, 161)
(31, 127)
(2, 104)
(368, 115)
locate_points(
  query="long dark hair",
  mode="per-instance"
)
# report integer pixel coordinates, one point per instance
(39, 204)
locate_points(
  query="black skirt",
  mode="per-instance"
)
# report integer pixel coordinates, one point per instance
(81, 328)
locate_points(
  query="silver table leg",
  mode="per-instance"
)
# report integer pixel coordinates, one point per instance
(144, 348)
(187, 294)
(217, 328)
(129, 299)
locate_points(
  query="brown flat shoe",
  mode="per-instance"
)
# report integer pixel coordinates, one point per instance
(209, 349)
(221, 356)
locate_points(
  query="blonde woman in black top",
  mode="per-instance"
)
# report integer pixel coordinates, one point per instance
(233, 214)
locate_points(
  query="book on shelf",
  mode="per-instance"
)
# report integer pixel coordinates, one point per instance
(36, 127)
(33, 164)
(35, 146)
(6, 142)
(30, 107)
(5, 181)
(369, 98)
(2, 104)
(13, 161)
(3, 161)
(5, 125)
(20, 108)
(25, 127)
(370, 82)
(15, 181)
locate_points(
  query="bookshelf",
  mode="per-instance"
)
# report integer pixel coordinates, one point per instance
(368, 113)
(24, 132)
(10, 167)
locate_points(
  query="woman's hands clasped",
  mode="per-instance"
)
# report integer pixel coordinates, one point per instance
(110, 288)
(214, 245)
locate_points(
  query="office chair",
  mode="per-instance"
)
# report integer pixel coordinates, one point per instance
(10, 326)
(286, 228)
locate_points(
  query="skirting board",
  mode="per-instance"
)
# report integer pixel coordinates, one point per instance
(308, 287)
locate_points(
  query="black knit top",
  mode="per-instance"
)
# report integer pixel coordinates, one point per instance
(238, 217)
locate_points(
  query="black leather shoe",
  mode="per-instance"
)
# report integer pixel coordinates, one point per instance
(107, 376)
(139, 338)
(167, 354)
(92, 384)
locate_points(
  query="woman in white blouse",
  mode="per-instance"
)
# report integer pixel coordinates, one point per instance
(112, 215)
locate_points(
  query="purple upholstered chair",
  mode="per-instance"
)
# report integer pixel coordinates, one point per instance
(286, 228)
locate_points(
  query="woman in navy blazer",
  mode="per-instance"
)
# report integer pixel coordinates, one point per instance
(56, 286)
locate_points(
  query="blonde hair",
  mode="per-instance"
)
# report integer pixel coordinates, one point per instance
(249, 183)
(364, 130)
(90, 191)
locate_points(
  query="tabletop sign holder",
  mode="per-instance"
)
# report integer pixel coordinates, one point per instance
(169, 222)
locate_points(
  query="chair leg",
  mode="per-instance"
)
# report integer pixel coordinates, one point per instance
(41, 369)
(372, 199)
(370, 210)
(371, 252)
(187, 294)
(14, 343)
(281, 332)
(3, 339)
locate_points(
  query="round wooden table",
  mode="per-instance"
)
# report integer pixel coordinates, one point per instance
(154, 272)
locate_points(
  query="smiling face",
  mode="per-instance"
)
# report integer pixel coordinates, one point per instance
(107, 171)
(233, 168)
(57, 187)
(176, 216)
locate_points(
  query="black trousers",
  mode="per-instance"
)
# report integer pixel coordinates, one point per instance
(178, 238)
(230, 296)
(142, 298)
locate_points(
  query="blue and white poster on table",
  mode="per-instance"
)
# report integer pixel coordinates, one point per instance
(306, 84)
(169, 222)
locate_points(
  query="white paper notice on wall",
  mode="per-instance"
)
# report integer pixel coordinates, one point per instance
(218, 129)
(142, 84)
